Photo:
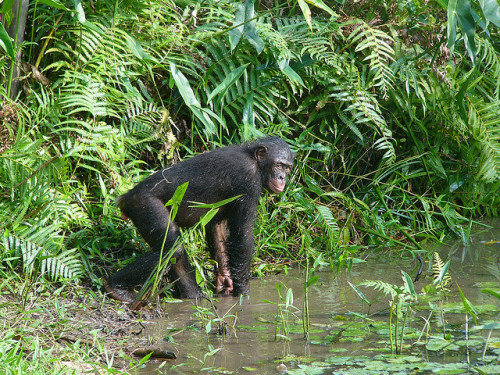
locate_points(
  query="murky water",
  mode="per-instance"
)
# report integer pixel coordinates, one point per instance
(252, 346)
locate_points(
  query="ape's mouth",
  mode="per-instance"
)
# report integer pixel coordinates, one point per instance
(276, 187)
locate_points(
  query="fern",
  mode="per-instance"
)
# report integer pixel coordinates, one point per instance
(142, 122)
(380, 53)
(85, 95)
(65, 265)
(330, 224)
(382, 286)
(484, 124)
(438, 268)
(490, 63)
(365, 111)
(254, 82)
(41, 250)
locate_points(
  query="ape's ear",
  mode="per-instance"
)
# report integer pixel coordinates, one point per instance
(260, 153)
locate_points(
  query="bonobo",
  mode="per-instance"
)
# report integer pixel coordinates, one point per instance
(213, 176)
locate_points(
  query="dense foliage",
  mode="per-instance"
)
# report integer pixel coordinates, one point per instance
(392, 106)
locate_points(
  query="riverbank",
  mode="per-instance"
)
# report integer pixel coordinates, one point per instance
(70, 330)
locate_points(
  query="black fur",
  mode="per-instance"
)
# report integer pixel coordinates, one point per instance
(213, 176)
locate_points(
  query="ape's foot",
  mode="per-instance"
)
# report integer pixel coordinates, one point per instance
(224, 285)
(122, 295)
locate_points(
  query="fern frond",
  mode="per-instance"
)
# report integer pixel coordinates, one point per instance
(415, 80)
(380, 53)
(382, 286)
(274, 39)
(484, 123)
(142, 123)
(40, 248)
(65, 265)
(490, 61)
(331, 226)
(437, 270)
(86, 95)
(365, 111)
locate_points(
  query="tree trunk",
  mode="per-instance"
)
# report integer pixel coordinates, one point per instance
(18, 6)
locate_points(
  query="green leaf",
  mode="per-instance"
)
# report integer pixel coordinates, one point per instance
(312, 281)
(491, 11)
(215, 205)
(206, 217)
(184, 87)
(359, 293)
(7, 6)
(469, 307)
(321, 5)
(492, 292)
(79, 11)
(6, 43)
(245, 26)
(306, 12)
(55, 4)
(409, 283)
(289, 297)
(460, 11)
(452, 25)
(225, 85)
(248, 121)
(179, 194)
(236, 33)
(289, 72)
(191, 101)
(439, 279)
(137, 50)
(468, 26)
(176, 200)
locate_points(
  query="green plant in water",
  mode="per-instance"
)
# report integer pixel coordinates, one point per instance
(400, 306)
(284, 312)
(210, 317)
(438, 290)
(309, 279)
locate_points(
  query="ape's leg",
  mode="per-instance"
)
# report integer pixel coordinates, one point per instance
(152, 220)
(216, 240)
(240, 246)
(121, 284)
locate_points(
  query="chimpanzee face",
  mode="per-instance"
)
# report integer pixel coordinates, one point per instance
(276, 161)
(277, 175)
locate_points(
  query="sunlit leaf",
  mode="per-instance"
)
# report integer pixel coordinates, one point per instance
(245, 26)
(55, 4)
(491, 11)
(306, 12)
(6, 43)
(312, 281)
(227, 83)
(321, 5)
(191, 101)
(359, 293)
(79, 11)
(409, 283)
(460, 11)
(469, 307)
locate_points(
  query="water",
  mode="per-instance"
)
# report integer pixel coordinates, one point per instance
(255, 350)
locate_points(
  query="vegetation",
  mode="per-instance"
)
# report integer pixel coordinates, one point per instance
(392, 106)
